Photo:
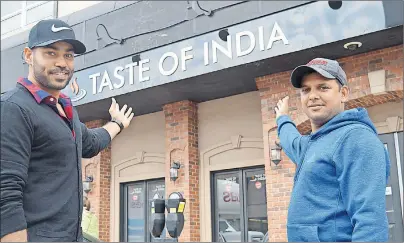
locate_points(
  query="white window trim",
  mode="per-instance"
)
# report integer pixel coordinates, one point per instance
(23, 12)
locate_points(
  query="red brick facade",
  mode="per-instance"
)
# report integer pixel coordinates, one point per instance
(100, 168)
(182, 146)
(182, 141)
(276, 86)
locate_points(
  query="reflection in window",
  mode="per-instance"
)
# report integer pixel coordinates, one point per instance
(138, 211)
(228, 207)
(240, 215)
(256, 205)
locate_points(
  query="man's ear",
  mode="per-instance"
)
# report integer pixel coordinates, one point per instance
(344, 94)
(28, 55)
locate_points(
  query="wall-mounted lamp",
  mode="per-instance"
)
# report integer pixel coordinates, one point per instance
(276, 153)
(101, 41)
(87, 184)
(174, 171)
(196, 7)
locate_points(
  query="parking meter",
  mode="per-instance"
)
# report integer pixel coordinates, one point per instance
(175, 218)
(157, 222)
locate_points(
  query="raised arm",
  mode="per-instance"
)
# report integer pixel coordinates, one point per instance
(292, 142)
(95, 140)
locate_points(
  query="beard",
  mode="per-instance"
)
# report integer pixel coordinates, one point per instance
(45, 77)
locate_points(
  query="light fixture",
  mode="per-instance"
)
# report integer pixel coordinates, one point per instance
(174, 171)
(223, 34)
(136, 58)
(102, 41)
(87, 184)
(352, 46)
(197, 9)
(335, 4)
(276, 153)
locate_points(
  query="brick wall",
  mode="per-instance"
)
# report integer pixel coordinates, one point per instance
(182, 146)
(100, 168)
(276, 86)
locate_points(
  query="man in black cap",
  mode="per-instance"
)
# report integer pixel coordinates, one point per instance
(43, 141)
(342, 166)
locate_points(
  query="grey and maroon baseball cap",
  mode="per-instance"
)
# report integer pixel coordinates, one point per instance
(47, 32)
(325, 67)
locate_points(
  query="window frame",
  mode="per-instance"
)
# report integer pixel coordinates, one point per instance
(23, 12)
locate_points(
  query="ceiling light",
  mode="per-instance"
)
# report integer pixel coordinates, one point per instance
(352, 46)
(223, 34)
(335, 4)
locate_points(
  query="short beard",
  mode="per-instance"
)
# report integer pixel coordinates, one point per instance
(43, 79)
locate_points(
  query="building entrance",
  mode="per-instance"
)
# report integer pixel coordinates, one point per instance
(240, 205)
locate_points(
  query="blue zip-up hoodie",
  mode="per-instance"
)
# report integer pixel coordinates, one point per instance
(340, 181)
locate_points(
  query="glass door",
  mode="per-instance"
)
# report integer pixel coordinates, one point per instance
(256, 204)
(228, 208)
(239, 205)
(136, 211)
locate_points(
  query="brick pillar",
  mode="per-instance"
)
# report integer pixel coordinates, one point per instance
(100, 168)
(182, 146)
(280, 177)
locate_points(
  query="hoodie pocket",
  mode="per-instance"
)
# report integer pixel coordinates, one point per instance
(61, 236)
(300, 232)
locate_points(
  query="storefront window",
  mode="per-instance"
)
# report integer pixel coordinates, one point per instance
(256, 204)
(240, 206)
(228, 206)
(137, 213)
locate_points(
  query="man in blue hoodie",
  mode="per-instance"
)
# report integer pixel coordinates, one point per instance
(342, 166)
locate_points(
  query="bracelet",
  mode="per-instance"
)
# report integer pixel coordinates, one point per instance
(119, 124)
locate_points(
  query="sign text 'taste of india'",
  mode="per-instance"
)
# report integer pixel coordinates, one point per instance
(168, 63)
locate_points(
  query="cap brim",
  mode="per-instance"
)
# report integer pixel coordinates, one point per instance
(300, 71)
(78, 46)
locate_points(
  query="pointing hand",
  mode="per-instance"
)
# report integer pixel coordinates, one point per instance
(122, 115)
(282, 108)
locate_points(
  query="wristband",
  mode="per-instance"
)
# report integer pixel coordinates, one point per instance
(119, 124)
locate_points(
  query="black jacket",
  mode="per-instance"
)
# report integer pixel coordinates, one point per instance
(41, 183)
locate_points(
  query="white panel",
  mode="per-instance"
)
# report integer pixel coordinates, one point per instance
(8, 7)
(11, 24)
(41, 12)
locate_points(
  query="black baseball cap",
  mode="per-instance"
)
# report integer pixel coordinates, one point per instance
(47, 32)
(325, 67)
